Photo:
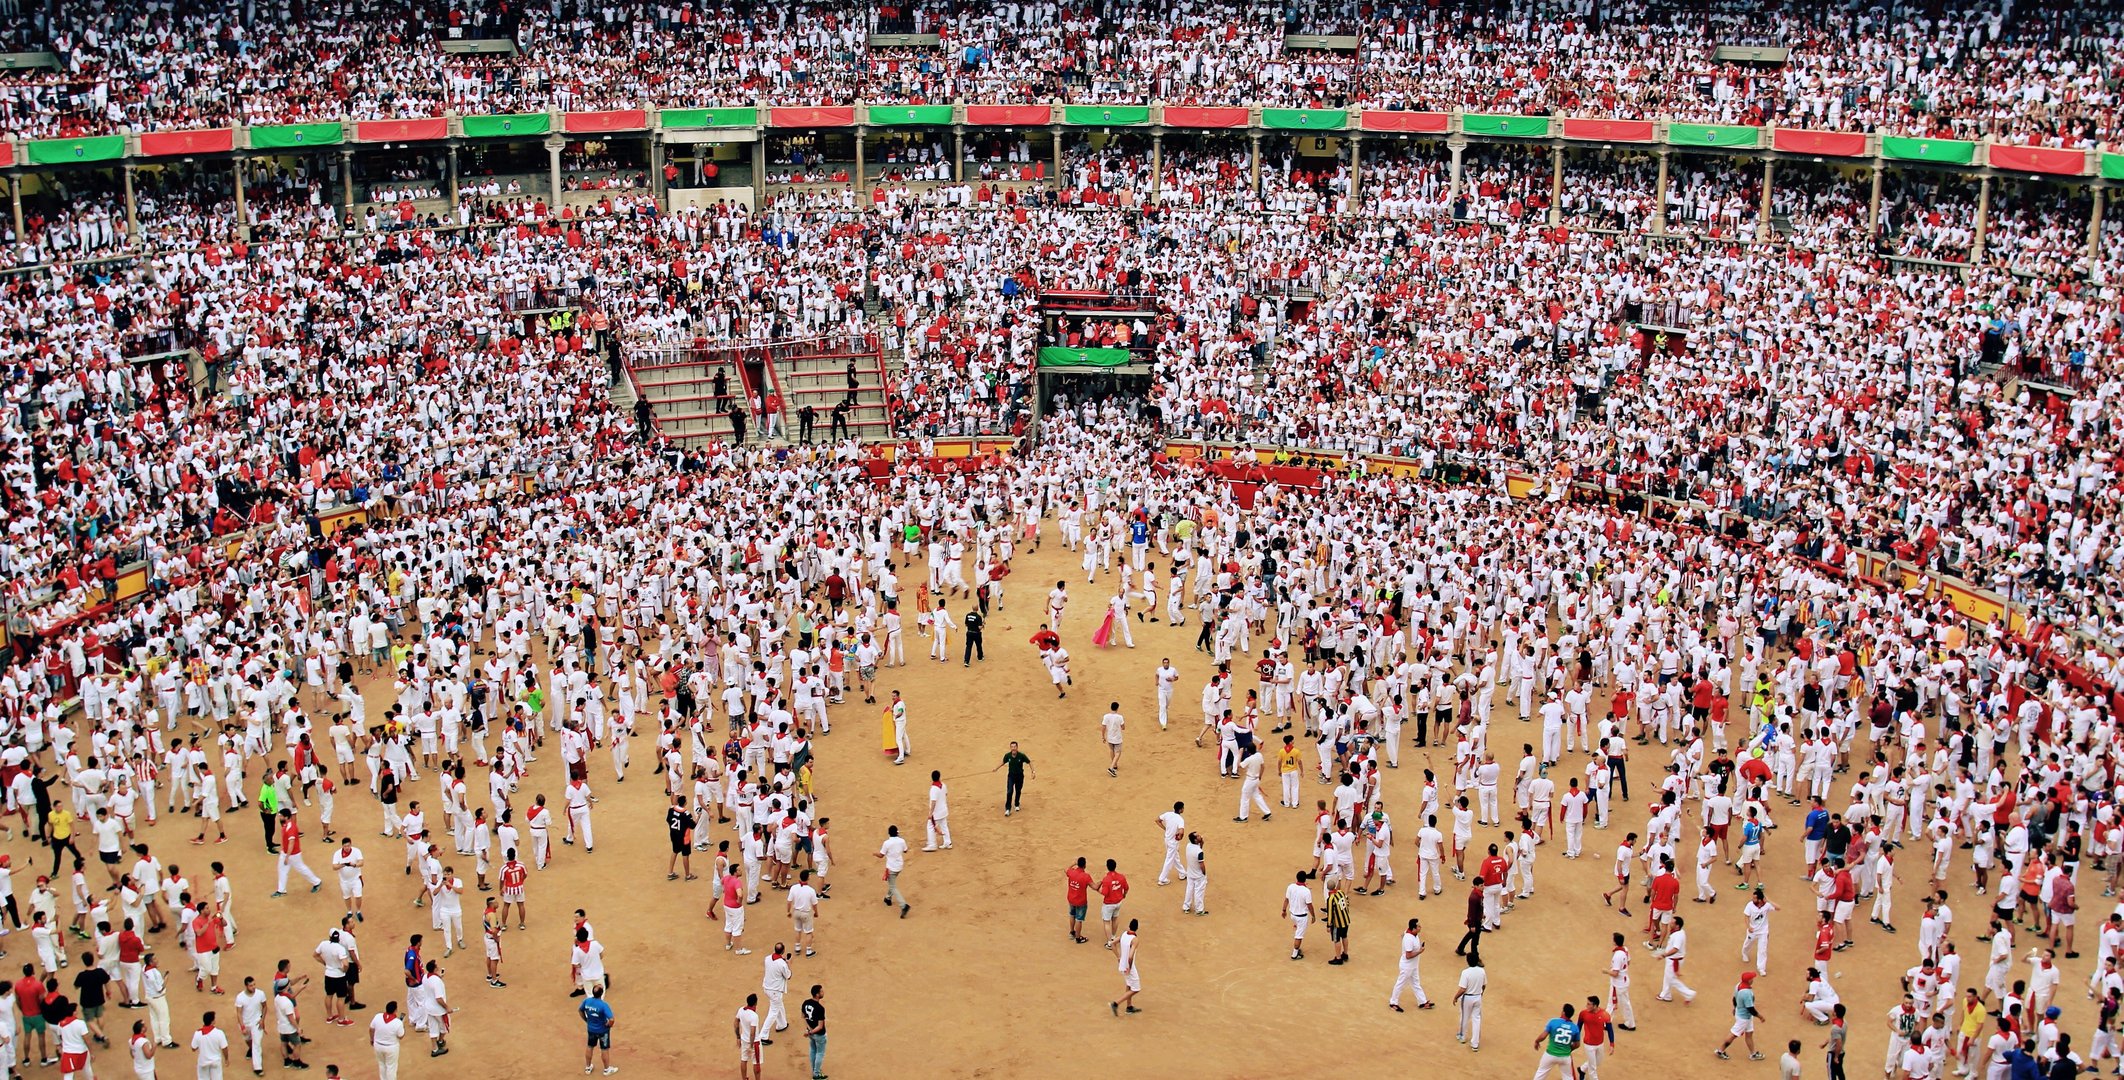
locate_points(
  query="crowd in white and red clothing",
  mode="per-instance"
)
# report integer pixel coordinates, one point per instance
(2026, 73)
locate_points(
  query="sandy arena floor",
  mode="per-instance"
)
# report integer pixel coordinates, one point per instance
(981, 979)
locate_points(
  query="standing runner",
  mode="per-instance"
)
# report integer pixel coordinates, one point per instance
(1131, 981)
(1020, 768)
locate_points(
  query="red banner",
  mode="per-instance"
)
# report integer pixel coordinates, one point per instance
(1179, 116)
(7, 154)
(1009, 115)
(591, 123)
(173, 143)
(424, 129)
(812, 116)
(1607, 130)
(1428, 123)
(2042, 159)
(1823, 143)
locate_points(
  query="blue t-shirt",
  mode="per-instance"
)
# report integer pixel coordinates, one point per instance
(1138, 532)
(1744, 1004)
(597, 1016)
(1560, 1037)
(1817, 824)
(1751, 832)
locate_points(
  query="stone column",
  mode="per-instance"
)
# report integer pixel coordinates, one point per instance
(1158, 164)
(1983, 215)
(1659, 196)
(553, 152)
(1556, 185)
(453, 179)
(1458, 145)
(132, 207)
(958, 153)
(346, 179)
(1873, 205)
(2094, 232)
(1356, 171)
(14, 192)
(1056, 169)
(243, 216)
(656, 166)
(759, 169)
(1762, 224)
(862, 182)
(1255, 161)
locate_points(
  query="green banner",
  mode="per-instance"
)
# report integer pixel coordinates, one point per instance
(1938, 151)
(1058, 357)
(501, 125)
(904, 115)
(2113, 166)
(61, 151)
(1305, 119)
(1714, 135)
(694, 119)
(1517, 127)
(297, 136)
(1105, 115)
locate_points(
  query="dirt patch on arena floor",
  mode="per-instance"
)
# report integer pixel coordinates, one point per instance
(981, 979)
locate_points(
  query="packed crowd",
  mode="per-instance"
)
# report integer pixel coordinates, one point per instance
(2024, 73)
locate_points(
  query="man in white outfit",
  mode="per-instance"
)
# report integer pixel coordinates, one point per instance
(1174, 828)
(1410, 974)
(1671, 957)
(941, 626)
(1168, 675)
(939, 814)
(1250, 788)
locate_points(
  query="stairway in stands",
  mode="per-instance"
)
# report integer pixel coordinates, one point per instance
(682, 401)
(821, 381)
(679, 386)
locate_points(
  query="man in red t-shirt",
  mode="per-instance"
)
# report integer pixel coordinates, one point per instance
(291, 855)
(1077, 881)
(130, 950)
(1596, 1034)
(1665, 888)
(29, 1004)
(206, 941)
(1113, 888)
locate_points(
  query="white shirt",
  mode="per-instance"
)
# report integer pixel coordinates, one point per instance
(938, 808)
(1473, 981)
(895, 852)
(213, 1044)
(384, 1032)
(1297, 900)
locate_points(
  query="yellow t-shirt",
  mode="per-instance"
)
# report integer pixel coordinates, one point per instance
(59, 823)
(1973, 1020)
(1287, 760)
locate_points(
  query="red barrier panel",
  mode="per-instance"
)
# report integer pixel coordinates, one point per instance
(591, 123)
(1607, 130)
(1009, 115)
(1823, 143)
(812, 116)
(421, 129)
(1192, 117)
(173, 143)
(2040, 159)
(1426, 123)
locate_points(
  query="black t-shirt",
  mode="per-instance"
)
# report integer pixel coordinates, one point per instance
(1839, 839)
(814, 1016)
(90, 985)
(678, 820)
(1016, 761)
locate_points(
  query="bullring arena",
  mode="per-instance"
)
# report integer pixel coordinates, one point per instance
(1211, 441)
